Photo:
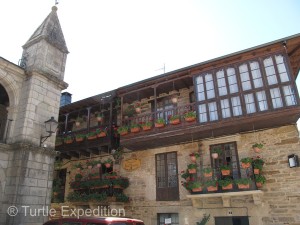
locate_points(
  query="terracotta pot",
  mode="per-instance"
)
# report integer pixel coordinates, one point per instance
(197, 189)
(193, 158)
(107, 165)
(188, 179)
(99, 118)
(117, 187)
(192, 171)
(256, 171)
(214, 155)
(175, 122)
(135, 130)
(138, 109)
(212, 188)
(245, 165)
(101, 134)
(259, 184)
(256, 149)
(190, 119)
(92, 137)
(225, 172)
(69, 141)
(124, 133)
(77, 124)
(90, 167)
(79, 139)
(98, 165)
(145, 128)
(208, 174)
(228, 187)
(159, 125)
(243, 186)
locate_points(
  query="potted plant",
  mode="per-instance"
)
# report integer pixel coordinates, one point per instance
(137, 107)
(91, 135)
(118, 154)
(147, 125)
(78, 121)
(68, 139)
(79, 137)
(257, 147)
(134, 128)
(226, 183)
(246, 162)
(216, 152)
(207, 172)
(101, 133)
(123, 130)
(175, 119)
(78, 166)
(185, 175)
(259, 180)
(211, 185)
(196, 186)
(108, 162)
(129, 111)
(194, 156)
(99, 117)
(94, 176)
(243, 183)
(160, 122)
(78, 177)
(192, 168)
(190, 116)
(90, 164)
(225, 169)
(111, 175)
(257, 164)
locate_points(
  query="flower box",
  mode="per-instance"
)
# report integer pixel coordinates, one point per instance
(256, 171)
(197, 189)
(259, 184)
(245, 165)
(192, 171)
(190, 119)
(123, 133)
(212, 188)
(92, 137)
(228, 187)
(159, 125)
(243, 186)
(135, 130)
(145, 128)
(208, 174)
(225, 172)
(175, 121)
(101, 134)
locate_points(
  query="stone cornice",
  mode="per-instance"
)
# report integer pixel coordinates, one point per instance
(30, 147)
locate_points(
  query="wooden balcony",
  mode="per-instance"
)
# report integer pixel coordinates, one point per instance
(188, 131)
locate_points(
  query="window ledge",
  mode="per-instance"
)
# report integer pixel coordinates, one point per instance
(197, 199)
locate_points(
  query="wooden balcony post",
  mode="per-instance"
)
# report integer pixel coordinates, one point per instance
(121, 110)
(89, 118)
(66, 122)
(155, 104)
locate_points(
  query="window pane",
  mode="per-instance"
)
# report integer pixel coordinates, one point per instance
(281, 68)
(270, 71)
(236, 106)
(276, 98)
(200, 89)
(160, 170)
(213, 112)
(289, 95)
(233, 87)
(172, 170)
(262, 101)
(250, 105)
(210, 91)
(202, 113)
(245, 78)
(221, 83)
(256, 75)
(225, 108)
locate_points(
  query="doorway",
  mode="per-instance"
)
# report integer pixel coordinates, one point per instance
(233, 220)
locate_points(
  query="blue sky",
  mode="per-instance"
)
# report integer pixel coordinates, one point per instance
(114, 43)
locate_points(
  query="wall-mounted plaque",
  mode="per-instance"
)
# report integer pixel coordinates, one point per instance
(131, 164)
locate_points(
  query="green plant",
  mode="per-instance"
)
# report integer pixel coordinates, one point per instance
(108, 160)
(246, 160)
(80, 136)
(57, 183)
(91, 163)
(212, 183)
(77, 165)
(91, 134)
(217, 150)
(147, 124)
(58, 164)
(123, 129)
(196, 154)
(98, 197)
(134, 125)
(160, 121)
(258, 161)
(192, 166)
(225, 167)
(225, 182)
(207, 170)
(260, 179)
(190, 114)
(129, 111)
(120, 197)
(258, 145)
(187, 185)
(78, 176)
(174, 117)
(258, 166)
(196, 184)
(185, 174)
(118, 154)
(98, 131)
(68, 138)
(243, 181)
(122, 181)
(204, 220)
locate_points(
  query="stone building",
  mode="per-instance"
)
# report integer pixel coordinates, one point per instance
(29, 96)
(151, 128)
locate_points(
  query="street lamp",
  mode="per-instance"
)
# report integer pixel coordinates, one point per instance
(51, 126)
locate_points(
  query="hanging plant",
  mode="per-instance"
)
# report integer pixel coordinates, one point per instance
(100, 117)
(246, 162)
(257, 147)
(216, 152)
(207, 172)
(78, 121)
(194, 156)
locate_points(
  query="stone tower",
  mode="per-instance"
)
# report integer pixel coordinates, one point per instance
(33, 91)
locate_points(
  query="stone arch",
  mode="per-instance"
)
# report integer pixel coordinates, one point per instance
(4, 102)
(10, 86)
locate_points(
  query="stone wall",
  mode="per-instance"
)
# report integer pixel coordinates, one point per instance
(28, 174)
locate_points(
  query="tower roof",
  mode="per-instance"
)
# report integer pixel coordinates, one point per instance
(51, 31)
